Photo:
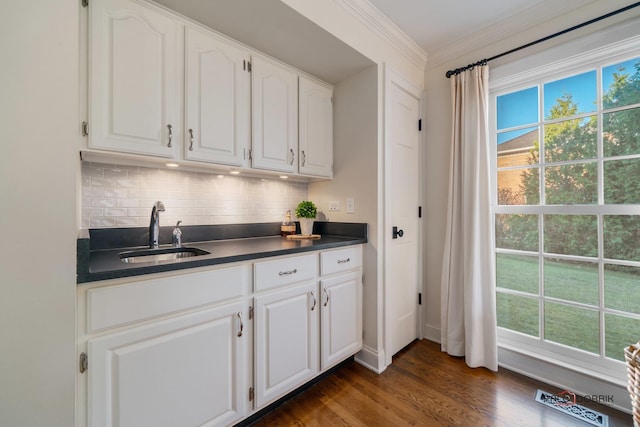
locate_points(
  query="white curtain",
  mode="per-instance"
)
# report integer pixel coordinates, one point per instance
(468, 323)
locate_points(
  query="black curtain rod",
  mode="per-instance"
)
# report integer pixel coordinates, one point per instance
(575, 27)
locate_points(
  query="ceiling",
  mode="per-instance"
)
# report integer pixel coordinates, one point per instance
(445, 30)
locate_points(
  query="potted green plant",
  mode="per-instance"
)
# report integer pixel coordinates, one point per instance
(306, 212)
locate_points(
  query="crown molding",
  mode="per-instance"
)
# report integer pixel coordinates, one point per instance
(379, 24)
(508, 27)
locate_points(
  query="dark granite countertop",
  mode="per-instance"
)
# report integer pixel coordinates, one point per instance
(99, 249)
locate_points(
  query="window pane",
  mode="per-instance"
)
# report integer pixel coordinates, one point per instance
(518, 232)
(572, 326)
(571, 234)
(518, 313)
(571, 281)
(570, 96)
(571, 140)
(619, 332)
(518, 187)
(621, 183)
(621, 132)
(622, 288)
(517, 108)
(621, 84)
(622, 237)
(571, 184)
(522, 140)
(517, 272)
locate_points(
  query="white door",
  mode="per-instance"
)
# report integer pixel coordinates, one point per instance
(286, 340)
(133, 100)
(402, 102)
(341, 317)
(274, 116)
(217, 100)
(185, 371)
(315, 123)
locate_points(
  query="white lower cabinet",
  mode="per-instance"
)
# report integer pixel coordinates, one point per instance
(286, 340)
(180, 372)
(183, 349)
(341, 326)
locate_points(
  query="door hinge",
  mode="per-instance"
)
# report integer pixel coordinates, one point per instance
(251, 394)
(419, 125)
(419, 211)
(85, 3)
(420, 298)
(250, 313)
(84, 362)
(85, 129)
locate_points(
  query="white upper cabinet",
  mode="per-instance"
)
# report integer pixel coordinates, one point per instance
(274, 116)
(217, 100)
(134, 58)
(315, 108)
(232, 107)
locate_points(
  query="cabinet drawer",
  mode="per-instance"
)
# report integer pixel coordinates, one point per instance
(284, 271)
(117, 305)
(340, 260)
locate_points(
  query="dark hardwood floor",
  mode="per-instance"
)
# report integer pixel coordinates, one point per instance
(425, 387)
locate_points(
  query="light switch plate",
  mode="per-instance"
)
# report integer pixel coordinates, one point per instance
(351, 205)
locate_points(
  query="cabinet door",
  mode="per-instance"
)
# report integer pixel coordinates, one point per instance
(316, 128)
(185, 371)
(216, 100)
(286, 341)
(133, 78)
(274, 103)
(341, 325)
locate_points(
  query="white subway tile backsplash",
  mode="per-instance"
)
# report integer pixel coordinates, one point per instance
(122, 196)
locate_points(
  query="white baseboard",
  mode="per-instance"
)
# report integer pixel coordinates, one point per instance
(371, 359)
(431, 333)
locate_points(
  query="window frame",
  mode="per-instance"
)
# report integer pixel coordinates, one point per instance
(597, 365)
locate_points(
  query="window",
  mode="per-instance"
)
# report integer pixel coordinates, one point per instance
(567, 212)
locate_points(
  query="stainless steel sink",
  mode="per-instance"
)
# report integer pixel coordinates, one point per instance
(158, 255)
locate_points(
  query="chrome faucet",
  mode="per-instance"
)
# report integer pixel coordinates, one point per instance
(154, 224)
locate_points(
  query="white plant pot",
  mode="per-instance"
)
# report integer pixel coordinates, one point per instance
(306, 226)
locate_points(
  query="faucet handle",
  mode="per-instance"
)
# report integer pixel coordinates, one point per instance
(176, 237)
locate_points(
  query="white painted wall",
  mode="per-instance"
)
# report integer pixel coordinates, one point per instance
(356, 158)
(39, 110)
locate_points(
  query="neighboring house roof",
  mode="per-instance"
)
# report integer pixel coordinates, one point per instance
(524, 141)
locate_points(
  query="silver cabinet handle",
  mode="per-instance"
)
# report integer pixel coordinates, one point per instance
(191, 139)
(313, 307)
(293, 156)
(287, 273)
(170, 136)
(241, 324)
(344, 261)
(304, 158)
(327, 294)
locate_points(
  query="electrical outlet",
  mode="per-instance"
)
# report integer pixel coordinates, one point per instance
(334, 206)
(351, 205)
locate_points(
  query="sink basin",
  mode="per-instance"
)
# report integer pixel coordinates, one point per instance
(157, 255)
